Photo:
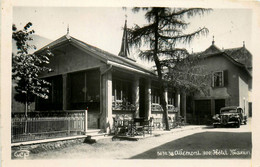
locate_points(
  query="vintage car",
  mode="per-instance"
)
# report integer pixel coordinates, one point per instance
(232, 115)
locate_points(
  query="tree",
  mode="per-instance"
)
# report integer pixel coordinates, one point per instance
(162, 34)
(187, 74)
(27, 67)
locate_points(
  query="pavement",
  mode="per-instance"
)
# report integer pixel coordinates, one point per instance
(160, 132)
(191, 138)
(107, 148)
(180, 129)
(155, 133)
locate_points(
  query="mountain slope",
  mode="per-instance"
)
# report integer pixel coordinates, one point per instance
(37, 41)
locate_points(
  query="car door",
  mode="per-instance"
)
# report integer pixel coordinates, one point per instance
(240, 112)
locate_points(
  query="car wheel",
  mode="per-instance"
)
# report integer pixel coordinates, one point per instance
(215, 126)
(245, 122)
(238, 125)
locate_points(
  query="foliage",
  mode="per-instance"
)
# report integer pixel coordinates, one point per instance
(27, 67)
(164, 31)
(187, 74)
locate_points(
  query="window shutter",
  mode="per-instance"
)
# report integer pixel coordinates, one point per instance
(225, 77)
(212, 81)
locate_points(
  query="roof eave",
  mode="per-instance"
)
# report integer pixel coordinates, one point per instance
(238, 64)
(64, 39)
(129, 61)
(67, 39)
(129, 68)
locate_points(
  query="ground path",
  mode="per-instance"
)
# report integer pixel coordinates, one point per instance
(201, 139)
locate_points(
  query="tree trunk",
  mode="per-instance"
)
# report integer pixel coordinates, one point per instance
(26, 110)
(159, 71)
(163, 103)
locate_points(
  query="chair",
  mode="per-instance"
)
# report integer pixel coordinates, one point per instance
(138, 128)
(121, 126)
(179, 122)
(157, 123)
(147, 127)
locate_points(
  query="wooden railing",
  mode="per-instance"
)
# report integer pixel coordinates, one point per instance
(43, 125)
(170, 108)
(120, 105)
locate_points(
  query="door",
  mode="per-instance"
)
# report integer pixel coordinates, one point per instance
(202, 111)
(219, 103)
(250, 109)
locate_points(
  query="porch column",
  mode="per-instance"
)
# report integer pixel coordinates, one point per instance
(86, 121)
(177, 101)
(148, 99)
(184, 105)
(166, 97)
(64, 91)
(106, 120)
(136, 96)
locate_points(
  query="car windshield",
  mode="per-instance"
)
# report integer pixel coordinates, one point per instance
(229, 111)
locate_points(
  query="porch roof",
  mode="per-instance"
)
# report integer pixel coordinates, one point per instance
(102, 55)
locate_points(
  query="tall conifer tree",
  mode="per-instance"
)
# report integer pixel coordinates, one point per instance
(164, 31)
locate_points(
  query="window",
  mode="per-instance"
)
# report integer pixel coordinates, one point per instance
(170, 98)
(92, 86)
(78, 89)
(84, 88)
(155, 96)
(220, 79)
(121, 90)
(54, 102)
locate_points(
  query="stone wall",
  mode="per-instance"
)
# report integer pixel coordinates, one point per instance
(17, 151)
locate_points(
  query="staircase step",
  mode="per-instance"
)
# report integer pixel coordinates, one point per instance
(96, 134)
(93, 132)
(96, 138)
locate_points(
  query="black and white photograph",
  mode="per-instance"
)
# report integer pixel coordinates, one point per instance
(165, 83)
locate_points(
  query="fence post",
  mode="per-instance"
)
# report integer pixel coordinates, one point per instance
(86, 121)
(69, 125)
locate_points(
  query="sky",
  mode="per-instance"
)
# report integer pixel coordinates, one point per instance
(103, 26)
